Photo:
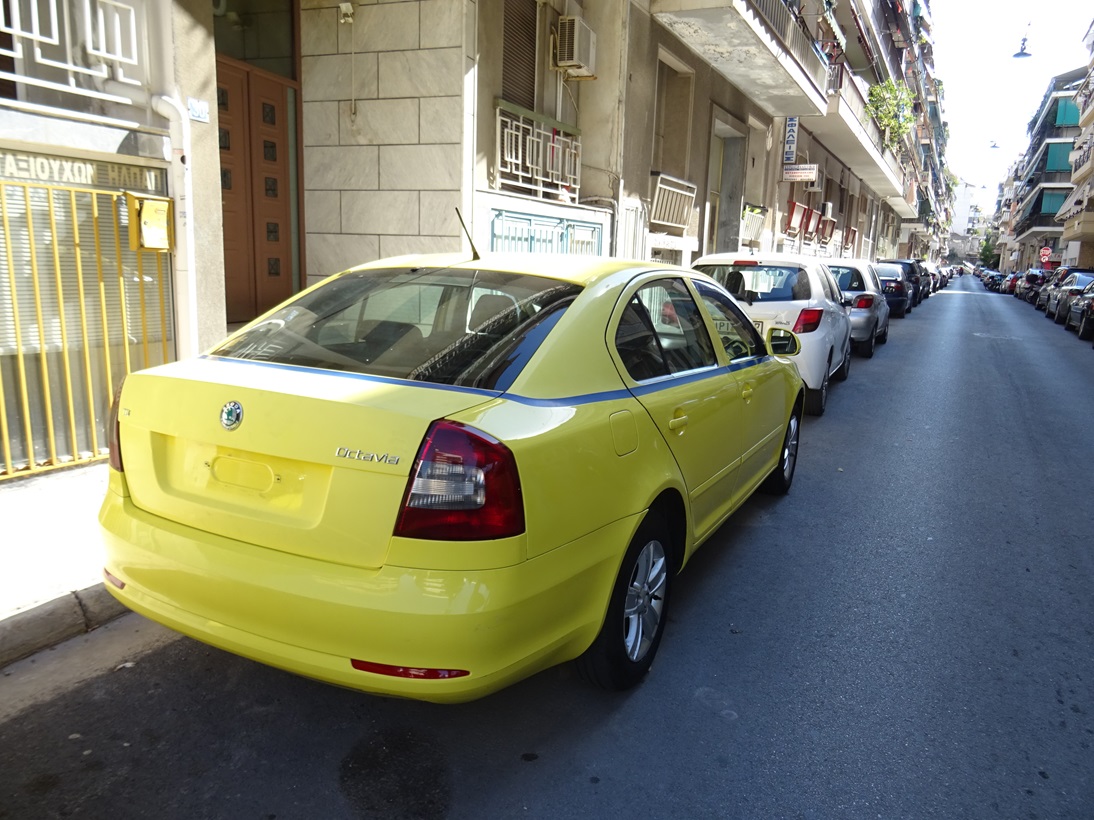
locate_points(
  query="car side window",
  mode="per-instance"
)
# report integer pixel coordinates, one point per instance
(735, 331)
(636, 343)
(663, 322)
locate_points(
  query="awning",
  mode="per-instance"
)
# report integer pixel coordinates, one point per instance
(1075, 202)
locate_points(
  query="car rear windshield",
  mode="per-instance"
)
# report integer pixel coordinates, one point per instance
(849, 279)
(459, 327)
(889, 270)
(761, 283)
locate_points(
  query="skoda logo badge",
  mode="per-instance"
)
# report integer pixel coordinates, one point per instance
(231, 415)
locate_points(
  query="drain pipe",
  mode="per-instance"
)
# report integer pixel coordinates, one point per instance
(186, 291)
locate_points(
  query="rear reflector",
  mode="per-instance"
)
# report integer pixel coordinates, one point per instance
(113, 579)
(407, 671)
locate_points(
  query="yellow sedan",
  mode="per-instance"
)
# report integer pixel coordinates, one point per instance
(430, 477)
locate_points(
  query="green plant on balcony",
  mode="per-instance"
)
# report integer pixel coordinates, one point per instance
(892, 106)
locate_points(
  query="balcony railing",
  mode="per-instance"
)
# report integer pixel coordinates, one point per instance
(794, 36)
(71, 53)
(537, 155)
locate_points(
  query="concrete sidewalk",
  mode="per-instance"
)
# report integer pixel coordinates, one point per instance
(51, 560)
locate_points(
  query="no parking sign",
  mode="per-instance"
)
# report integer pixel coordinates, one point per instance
(1045, 254)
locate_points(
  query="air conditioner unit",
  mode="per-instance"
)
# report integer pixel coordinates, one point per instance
(826, 210)
(814, 187)
(576, 47)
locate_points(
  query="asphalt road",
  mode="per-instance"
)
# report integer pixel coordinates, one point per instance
(908, 634)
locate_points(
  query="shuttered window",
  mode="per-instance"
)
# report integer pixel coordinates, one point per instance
(518, 71)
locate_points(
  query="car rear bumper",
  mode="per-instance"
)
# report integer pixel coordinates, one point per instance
(313, 617)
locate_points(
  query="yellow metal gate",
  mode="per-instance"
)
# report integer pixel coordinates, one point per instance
(78, 310)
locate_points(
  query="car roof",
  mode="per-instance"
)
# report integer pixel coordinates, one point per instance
(577, 269)
(761, 259)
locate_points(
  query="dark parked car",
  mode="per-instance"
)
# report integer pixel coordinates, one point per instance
(915, 274)
(1025, 281)
(899, 292)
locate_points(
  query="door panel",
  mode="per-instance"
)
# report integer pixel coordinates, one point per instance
(235, 192)
(256, 188)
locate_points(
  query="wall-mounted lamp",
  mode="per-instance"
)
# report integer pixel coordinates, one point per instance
(345, 12)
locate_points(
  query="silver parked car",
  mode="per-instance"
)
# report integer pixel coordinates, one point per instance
(797, 293)
(1059, 300)
(858, 278)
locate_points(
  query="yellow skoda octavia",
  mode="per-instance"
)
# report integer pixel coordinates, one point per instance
(430, 477)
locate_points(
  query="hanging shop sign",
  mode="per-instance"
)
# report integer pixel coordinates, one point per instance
(790, 144)
(20, 166)
(799, 173)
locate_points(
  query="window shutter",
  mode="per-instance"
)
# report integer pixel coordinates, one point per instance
(518, 72)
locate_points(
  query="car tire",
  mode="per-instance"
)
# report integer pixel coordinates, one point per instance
(624, 649)
(884, 337)
(1048, 313)
(1086, 327)
(817, 400)
(867, 345)
(778, 483)
(845, 366)
(1059, 317)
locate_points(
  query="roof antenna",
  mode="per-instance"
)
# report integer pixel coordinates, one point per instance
(474, 251)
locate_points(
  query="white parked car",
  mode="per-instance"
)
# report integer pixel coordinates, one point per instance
(796, 293)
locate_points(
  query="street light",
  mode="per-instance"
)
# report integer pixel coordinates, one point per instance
(1021, 52)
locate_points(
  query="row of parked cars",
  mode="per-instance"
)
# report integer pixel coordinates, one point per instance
(1065, 294)
(432, 476)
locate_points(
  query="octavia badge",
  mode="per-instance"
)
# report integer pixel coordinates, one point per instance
(231, 415)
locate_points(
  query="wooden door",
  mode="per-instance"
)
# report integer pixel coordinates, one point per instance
(256, 168)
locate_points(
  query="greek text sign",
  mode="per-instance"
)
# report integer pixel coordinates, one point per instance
(790, 144)
(23, 167)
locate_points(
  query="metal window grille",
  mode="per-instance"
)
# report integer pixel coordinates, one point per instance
(537, 155)
(514, 232)
(75, 46)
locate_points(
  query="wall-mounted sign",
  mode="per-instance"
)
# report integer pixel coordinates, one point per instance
(199, 109)
(50, 170)
(790, 144)
(799, 173)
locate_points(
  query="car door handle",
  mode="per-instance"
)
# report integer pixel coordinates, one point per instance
(678, 422)
(746, 392)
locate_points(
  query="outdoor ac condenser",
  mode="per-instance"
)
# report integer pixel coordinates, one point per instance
(576, 47)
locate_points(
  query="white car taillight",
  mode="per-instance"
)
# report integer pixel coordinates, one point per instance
(464, 486)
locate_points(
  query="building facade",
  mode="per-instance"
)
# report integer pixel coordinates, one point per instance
(276, 142)
(1077, 213)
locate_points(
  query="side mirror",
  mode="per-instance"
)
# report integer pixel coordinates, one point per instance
(783, 342)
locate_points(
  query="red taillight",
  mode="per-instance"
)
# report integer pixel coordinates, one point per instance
(417, 672)
(464, 486)
(808, 320)
(113, 433)
(863, 300)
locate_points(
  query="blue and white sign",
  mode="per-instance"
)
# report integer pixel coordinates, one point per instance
(790, 145)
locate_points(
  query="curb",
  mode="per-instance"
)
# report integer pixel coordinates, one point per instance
(76, 613)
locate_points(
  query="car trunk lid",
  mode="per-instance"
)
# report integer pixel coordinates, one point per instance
(307, 462)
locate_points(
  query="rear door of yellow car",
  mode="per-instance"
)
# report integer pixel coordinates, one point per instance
(763, 384)
(669, 361)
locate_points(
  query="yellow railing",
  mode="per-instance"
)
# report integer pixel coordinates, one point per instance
(78, 310)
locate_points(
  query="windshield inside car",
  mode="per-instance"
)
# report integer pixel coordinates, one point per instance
(460, 327)
(849, 279)
(761, 283)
